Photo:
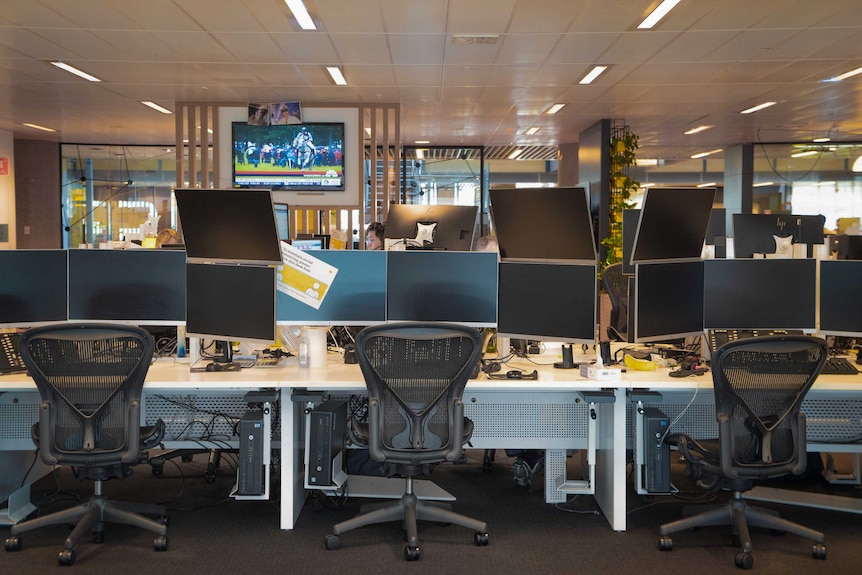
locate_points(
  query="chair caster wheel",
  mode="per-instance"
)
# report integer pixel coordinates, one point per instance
(818, 552)
(98, 537)
(665, 543)
(332, 542)
(160, 543)
(66, 557)
(744, 560)
(480, 539)
(411, 553)
(13, 543)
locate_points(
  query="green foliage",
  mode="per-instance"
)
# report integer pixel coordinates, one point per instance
(623, 151)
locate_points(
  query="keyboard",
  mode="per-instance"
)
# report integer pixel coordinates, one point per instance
(266, 362)
(839, 366)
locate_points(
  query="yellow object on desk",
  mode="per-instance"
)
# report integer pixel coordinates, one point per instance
(639, 364)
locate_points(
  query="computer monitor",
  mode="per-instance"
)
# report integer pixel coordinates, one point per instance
(282, 220)
(840, 309)
(630, 228)
(760, 294)
(32, 287)
(550, 301)
(755, 233)
(416, 226)
(307, 244)
(230, 302)
(543, 224)
(668, 301)
(137, 286)
(846, 247)
(673, 224)
(357, 295)
(228, 226)
(442, 286)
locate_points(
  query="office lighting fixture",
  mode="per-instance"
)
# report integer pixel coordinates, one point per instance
(660, 12)
(758, 107)
(705, 154)
(336, 75)
(555, 108)
(643, 162)
(155, 107)
(857, 165)
(763, 184)
(516, 153)
(593, 74)
(75, 71)
(821, 140)
(422, 142)
(420, 154)
(299, 11)
(38, 127)
(706, 185)
(696, 130)
(844, 76)
(805, 153)
(532, 131)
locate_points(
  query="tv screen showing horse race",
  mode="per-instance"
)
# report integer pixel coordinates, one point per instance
(305, 156)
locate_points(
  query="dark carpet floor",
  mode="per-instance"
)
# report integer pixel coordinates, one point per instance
(210, 533)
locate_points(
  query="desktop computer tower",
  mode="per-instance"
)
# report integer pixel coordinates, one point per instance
(251, 454)
(326, 431)
(656, 470)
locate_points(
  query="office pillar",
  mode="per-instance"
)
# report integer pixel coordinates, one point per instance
(7, 191)
(594, 165)
(567, 168)
(738, 182)
(37, 204)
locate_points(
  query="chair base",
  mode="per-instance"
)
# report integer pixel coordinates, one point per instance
(92, 516)
(409, 509)
(738, 514)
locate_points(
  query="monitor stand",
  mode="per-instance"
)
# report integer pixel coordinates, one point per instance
(226, 352)
(568, 359)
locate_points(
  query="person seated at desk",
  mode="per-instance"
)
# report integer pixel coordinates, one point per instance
(374, 236)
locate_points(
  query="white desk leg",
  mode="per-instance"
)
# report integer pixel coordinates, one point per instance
(611, 460)
(292, 485)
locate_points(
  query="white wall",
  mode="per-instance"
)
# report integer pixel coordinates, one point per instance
(7, 188)
(351, 195)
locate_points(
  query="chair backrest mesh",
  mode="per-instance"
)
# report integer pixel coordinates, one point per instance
(760, 384)
(88, 374)
(417, 374)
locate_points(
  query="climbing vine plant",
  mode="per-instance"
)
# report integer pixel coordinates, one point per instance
(623, 150)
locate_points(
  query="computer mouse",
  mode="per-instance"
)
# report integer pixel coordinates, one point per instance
(213, 367)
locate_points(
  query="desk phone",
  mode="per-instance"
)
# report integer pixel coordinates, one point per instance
(10, 359)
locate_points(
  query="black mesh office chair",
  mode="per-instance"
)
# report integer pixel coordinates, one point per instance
(90, 378)
(415, 374)
(759, 387)
(617, 287)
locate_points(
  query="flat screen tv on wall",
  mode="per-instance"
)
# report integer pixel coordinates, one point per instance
(307, 156)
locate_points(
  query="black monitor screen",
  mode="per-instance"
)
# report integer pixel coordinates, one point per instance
(755, 233)
(282, 221)
(32, 287)
(307, 156)
(673, 224)
(228, 225)
(442, 286)
(760, 294)
(555, 302)
(630, 228)
(545, 224)
(840, 312)
(415, 226)
(357, 295)
(668, 301)
(230, 302)
(144, 287)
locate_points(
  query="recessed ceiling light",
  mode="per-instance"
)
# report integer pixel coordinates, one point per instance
(706, 185)
(696, 130)
(660, 12)
(646, 162)
(336, 75)
(821, 140)
(422, 142)
(75, 71)
(758, 107)
(300, 12)
(803, 154)
(38, 127)
(155, 107)
(844, 76)
(555, 108)
(593, 74)
(705, 154)
(532, 131)
(762, 184)
(515, 154)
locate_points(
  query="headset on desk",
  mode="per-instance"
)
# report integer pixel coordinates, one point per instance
(515, 374)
